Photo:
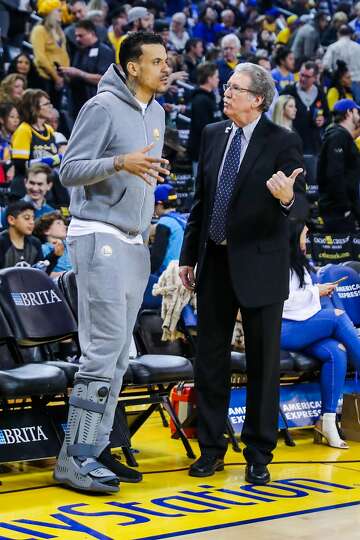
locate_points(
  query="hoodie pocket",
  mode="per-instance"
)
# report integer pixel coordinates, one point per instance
(127, 212)
(120, 198)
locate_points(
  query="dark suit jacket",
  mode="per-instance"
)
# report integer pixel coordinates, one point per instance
(257, 226)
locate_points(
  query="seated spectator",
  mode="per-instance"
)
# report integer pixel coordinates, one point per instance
(23, 65)
(117, 34)
(49, 44)
(194, 51)
(37, 185)
(227, 25)
(34, 138)
(60, 139)
(17, 245)
(139, 19)
(285, 64)
(326, 334)
(9, 121)
(339, 171)
(340, 85)
(204, 108)
(284, 112)
(178, 35)
(90, 61)
(169, 232)
(51, 231)
(12, 89)
(312, 111)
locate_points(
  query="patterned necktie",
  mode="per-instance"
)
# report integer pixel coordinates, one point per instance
(225, 189)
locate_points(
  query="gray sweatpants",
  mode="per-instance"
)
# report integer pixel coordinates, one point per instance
(111, 278)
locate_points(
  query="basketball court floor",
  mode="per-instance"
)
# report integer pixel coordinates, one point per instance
(314, 494)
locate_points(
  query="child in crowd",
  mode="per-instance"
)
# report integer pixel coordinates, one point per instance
(17, 245)
(51, 231)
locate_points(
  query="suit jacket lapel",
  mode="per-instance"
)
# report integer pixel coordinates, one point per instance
(218, 154)
(254, 149)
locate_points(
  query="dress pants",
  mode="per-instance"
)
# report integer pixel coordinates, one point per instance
(217, 309)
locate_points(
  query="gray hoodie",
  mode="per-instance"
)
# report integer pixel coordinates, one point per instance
(109, 124)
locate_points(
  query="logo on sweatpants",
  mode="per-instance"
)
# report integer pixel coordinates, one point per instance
(106, 251)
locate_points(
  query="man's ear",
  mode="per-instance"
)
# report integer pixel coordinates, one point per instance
(11, 220)
(132, 69)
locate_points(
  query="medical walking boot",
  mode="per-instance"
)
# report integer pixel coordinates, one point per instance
(77, 464)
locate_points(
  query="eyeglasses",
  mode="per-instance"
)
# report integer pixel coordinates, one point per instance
(236, 89)
(47, 104)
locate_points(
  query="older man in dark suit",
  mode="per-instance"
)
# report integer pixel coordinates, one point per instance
(249, 181)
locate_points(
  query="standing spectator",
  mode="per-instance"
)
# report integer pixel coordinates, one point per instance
(117, 34)
(307, 39)
(194, 51)
(48, 41)
(284, 112)
(178, 35)
(79, 10)
(207, 28)
(340, 85)
(312, 110)
(283, 74)
(355, 23)
(339, 171)
(230, 48)
(90, 61)
(138, 19)
(34, 138)
(349, 52)
(331, 33)
(12, 89)
(22, 64)
(285, 35)
(204, 108)
(37, 185)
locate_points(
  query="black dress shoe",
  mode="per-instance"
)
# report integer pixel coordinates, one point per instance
(206, 466)
(125, 474)
(256, 473)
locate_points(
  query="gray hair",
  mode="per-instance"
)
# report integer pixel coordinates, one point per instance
(230, 38)
(261, 82)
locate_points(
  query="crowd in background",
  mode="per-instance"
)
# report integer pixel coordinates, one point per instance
(53, 53)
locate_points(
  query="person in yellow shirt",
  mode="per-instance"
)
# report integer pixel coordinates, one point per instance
(116, 36)
(340, 86)
(49, 44)
(285, 34)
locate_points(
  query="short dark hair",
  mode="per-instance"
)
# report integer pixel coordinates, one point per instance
(192, 42)
(16, 208)
(345, 30)
(131, 47)
(311, 65)
(87, 25)
(40, 168)
(339, 116)
(204, 71)
(281, 54)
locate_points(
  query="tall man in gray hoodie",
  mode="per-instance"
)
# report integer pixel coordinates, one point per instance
(112, 163)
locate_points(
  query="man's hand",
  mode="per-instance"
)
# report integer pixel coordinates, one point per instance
(71, 72)
(140, 164)
(187, 277)
(282, 187)
(326, 289)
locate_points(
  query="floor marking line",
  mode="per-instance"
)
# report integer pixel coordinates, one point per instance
(249, 521)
